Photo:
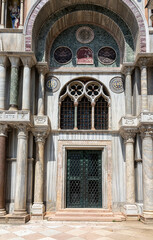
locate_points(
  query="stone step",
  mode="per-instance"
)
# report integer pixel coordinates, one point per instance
(99, 210)
(85, 219)
(87, 214)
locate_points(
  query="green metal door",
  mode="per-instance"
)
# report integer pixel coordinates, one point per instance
(84, 179)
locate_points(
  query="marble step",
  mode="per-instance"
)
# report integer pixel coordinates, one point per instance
(85, 219)
(99, 210)
(81, 214)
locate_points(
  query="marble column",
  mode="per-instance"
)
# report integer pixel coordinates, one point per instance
(128, 90)
(26, 93)
(38, 207)
(75, 115)
(130, 209)
(21, 172)
(3, 14)
(3, 64)
(3, 136)
(93, 115)
(144, 84)
(42, 69)
(21, 13)
(14, 82)
(147, 158)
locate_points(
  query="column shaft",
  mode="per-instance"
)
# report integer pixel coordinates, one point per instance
(21, 13)
(21, 173)
(147, 151)
(41, 107)
(130, 178)
(128, 92)
(144, 91)
(2, 174)
(93, 116)
(2, 85)
(39, 173)
(3, 13)
(75, 115)
(26, 88)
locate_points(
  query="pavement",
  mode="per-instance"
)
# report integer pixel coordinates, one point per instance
(45, 230)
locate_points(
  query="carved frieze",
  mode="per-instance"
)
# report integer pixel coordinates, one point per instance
(13, 117)
(41, 121)
(128, 122)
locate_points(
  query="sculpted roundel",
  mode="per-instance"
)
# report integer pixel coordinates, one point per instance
(52, 84)
(116, 85)
(85, 35)
(107, 55)
(63, 55)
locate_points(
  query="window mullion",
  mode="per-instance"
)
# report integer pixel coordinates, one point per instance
(93, 116)
(75, 115)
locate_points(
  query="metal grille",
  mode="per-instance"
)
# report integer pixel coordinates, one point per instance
(67, 114)
(101, 114)
(84, 179)
(84, 114)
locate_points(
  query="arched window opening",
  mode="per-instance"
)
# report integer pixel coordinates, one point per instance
(67, 114)
(84, 114)
(101, 114)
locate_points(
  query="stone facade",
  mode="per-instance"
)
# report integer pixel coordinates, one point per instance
(33, 85)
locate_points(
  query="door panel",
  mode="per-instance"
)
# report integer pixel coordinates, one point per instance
(84, 179)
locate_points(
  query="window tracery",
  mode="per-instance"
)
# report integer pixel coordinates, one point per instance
(90, 106)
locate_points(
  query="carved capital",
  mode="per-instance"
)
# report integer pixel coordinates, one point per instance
(143, 62)
(40, 136)
(128, 70)
(15, 61)
(27, 61)
(128, 135)
(146, 131)
(3, 130)
(42, 68)
(22, 131)
(3, 61)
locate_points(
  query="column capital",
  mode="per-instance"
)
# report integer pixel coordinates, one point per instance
(128, 135)
(40, 136)
(143, 62)
(146, 131)
(3, 61)
(3, 130)
(42, 67)
(22, 130)
(15, 61)
(28, 61)
(128, 70)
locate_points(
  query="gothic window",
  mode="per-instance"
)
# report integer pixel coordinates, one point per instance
(101, 114)
(67, 114)
(84, 105)
(84, 114)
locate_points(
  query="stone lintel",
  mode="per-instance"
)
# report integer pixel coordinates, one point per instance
(18, 55)
(15, 117)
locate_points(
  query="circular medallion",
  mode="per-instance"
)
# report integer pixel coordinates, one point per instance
(63, 55)
(52, 84)
(116, 85)
(107, 55)
(84, 35)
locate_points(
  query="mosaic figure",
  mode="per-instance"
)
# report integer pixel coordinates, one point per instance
(14, 9)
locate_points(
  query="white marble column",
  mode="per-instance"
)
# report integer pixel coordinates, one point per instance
(38, 207)
(130, 209)
(128, 90)
(26, 92)
(3, 64)
(93, 115)
(21, 172)
(21, 13)
(2, 25)
(144, 84)
(147, 158)
(42, 69)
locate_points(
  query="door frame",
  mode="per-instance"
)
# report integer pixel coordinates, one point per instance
(105, 147)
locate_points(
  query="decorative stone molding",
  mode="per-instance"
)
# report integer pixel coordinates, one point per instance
(41, 121)
(3, 130)
(146, 131)
(15, 117)
(128, 122)
(22, 131)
